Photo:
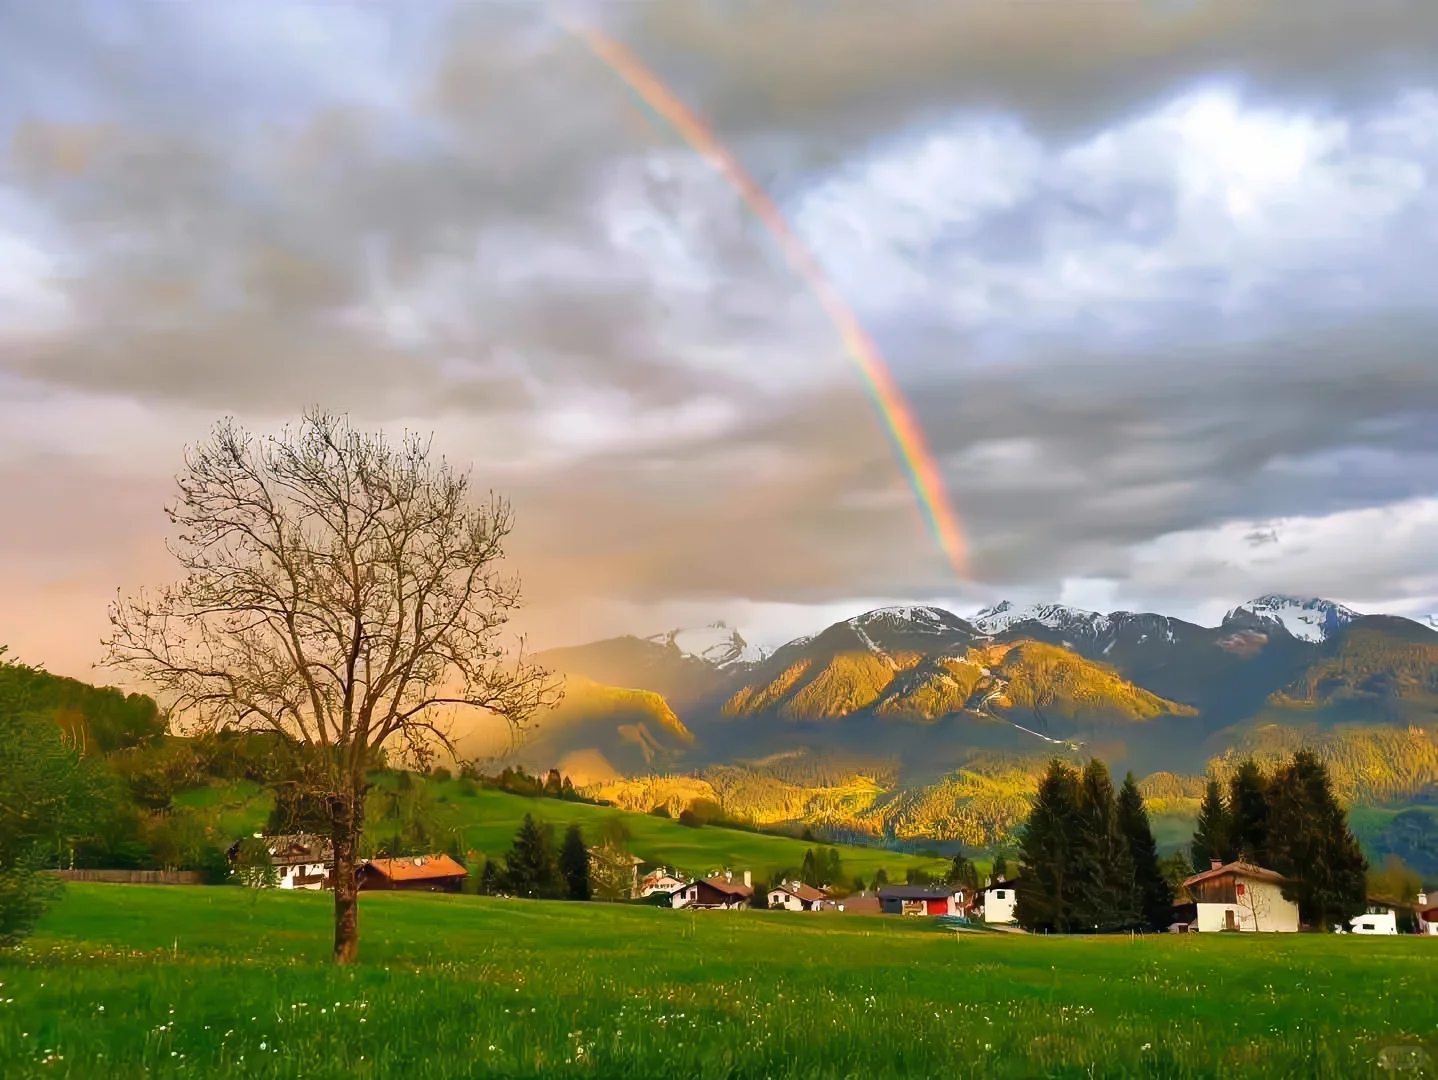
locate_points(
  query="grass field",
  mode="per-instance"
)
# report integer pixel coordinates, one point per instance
(488, 819)
(132, 981)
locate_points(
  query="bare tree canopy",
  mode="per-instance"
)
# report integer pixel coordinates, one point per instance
(339, 590)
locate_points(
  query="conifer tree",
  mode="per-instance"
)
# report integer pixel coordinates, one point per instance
(1153, 895)
(1210, 839)
(489, 883)
(1311, 844)
(962, 873)
(1048, 846)
(530, 865)
(833, 868)
(574, 864)
(1001, 867)
(881, 877)
(809, 871)
(1105, 898)
(1248, 814)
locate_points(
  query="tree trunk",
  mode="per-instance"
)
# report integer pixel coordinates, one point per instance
(346, 823)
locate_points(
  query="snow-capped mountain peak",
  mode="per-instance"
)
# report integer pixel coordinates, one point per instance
(1004, 615)
(1306, 618)
(914, 619)
(718, 643)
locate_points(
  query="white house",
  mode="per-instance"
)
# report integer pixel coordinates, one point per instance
(1000, 898)
(660, 880)
(302, 861)
(796, 896)
(1375, 922)
(718, 891)
(1241, 896)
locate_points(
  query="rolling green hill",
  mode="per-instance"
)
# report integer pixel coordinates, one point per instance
(486, 821)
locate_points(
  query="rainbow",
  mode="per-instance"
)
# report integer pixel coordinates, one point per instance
(900, 423)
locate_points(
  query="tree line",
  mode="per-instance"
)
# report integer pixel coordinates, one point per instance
(1090, 864)
(1290, 821)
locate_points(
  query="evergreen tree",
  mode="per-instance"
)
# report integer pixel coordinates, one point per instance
(1248, 814)
(489, 883)
(858, 884)
(1048, 845)
(574, 863)
(1001, 867)
(962, 873)
(915, 876)
(1106, 897)
(881, 877)
(530, 865)
(1153, 895)
(553, 785)
(1210, 839)
(809, 871)
(833, 868)
(1311, 844)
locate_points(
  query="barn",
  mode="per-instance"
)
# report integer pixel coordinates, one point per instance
(417, 873)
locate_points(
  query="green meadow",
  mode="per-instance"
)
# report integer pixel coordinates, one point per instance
(132, 981)
(487, 820)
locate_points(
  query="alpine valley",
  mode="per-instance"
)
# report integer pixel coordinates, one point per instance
(911, 724)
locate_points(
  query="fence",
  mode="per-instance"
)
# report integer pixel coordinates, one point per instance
(134, 877)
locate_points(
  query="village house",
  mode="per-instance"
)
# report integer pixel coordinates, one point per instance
(1427, 916)
(920, 900)
(1377, 920)
(418, 873)
(796, 896)
(1240, 896)
(1000, 901)
(616, 866)
(717, 891)
(301, 860)
(661, 880)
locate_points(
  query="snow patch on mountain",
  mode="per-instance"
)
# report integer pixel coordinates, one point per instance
(1004, 615)
(917, 619)
(1308, 619)
(718, 643)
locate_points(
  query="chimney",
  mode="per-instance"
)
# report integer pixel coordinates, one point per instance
(728, 875)
(748, 881)
(1215, 864)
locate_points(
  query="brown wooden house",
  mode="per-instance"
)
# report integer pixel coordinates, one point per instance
(416, 873)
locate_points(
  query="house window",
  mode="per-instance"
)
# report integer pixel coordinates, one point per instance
(1367, 926)
(1238, 889)
(999, 895)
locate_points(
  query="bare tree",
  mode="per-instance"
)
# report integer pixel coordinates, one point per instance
(340, 591)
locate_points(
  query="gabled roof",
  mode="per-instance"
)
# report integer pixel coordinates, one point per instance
(417, 868)
(1238, 868)
(1003, 883)
(800, 891)
(733, 888)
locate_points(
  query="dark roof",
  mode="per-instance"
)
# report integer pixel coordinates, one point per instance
(293, 849)
(733, 888)
(1004, 883)
(915, 892)
(1236, 869)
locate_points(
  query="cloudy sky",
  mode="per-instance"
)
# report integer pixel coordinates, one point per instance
(1157, 277)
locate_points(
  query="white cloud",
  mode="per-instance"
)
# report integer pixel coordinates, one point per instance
(1206, 200)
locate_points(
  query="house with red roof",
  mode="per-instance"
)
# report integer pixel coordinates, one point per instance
(716, 891)
(415, 873)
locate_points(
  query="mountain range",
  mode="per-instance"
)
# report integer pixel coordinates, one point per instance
(905, 719)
